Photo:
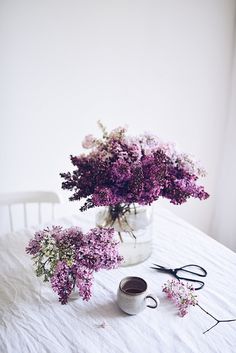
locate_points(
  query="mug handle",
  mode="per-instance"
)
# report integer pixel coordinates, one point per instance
(156, 301)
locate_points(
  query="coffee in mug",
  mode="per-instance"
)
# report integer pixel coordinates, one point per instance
(133, 296)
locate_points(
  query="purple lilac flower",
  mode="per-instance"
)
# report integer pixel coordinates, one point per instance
(67, 237)
(84, 278)
(102, 196)
(33, 247)
(181, 294)
(120, 171)
(104, 253)
(62, 281)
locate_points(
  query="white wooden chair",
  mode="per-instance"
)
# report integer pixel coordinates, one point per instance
(29, 197)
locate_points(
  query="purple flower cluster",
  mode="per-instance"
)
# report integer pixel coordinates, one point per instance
(122, 169)
(68, 257)
(183, 295)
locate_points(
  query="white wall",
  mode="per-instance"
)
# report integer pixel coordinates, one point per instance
(155, 65)
(223, 224)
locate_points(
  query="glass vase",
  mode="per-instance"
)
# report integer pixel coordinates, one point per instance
(74, 295)
(133, 230)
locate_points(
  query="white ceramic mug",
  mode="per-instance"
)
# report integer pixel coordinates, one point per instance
(133, 296)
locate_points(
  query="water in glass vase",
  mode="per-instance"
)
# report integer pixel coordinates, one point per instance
(133, 229)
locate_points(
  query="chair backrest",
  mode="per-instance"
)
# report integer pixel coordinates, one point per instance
(39, 197)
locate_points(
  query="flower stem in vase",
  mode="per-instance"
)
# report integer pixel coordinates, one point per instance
(132, 224)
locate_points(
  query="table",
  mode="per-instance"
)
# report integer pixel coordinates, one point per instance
(32, 320)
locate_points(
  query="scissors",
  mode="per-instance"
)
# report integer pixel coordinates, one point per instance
(196, 270)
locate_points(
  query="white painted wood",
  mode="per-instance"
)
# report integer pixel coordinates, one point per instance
(29, 197)
(53, 211)
(10, 217)
(39, 212)
(25, 215)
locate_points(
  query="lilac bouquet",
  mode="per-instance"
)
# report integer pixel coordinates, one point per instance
(120, 171)
(68, 258)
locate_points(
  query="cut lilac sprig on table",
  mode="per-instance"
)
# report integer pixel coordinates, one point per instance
(183, 295)
(68, 257)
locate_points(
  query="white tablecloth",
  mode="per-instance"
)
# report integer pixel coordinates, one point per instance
(32, 320)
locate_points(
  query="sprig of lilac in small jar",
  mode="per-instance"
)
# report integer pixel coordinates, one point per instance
(68, 258)
(120, 170)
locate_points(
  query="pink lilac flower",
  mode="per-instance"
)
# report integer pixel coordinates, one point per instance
(62, 281)
(69, 257)
(181, 294)
(84, 278)
(123, 169)
(89, 141)
(33, 247)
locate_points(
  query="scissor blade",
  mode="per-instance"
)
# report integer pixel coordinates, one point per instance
(159, 266)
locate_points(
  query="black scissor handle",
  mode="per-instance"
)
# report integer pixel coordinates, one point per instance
(190, 280)
(183, 268)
